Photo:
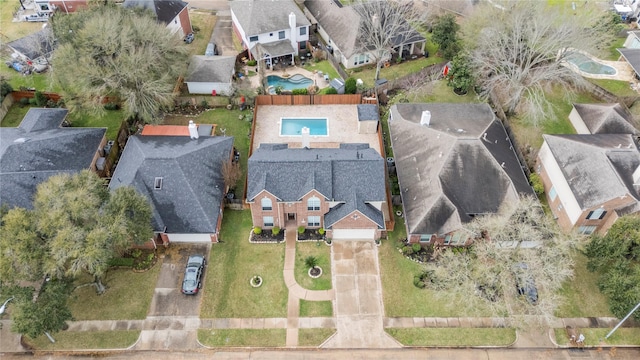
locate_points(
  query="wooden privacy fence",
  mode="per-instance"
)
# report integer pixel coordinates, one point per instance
(17, 95)
(334, 99)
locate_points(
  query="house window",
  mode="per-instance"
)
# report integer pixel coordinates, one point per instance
(586, 230)
(361, 59)
(303, 45)
(596, 214)
(266, 204)
(44, 7)
(157, 183)
(281, 35)
(313, 221)
(457, 238)
(313, 204)
(303, 31)
(267, 220)
(253, 38)
(553, 193)
(425, 237)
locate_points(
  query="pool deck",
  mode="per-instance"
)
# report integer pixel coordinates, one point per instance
(342, 126)
(624, 71)
(291, 70)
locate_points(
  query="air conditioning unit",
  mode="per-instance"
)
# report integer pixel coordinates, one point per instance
(100, 163)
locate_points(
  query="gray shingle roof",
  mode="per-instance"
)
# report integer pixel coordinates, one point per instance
(192, 185)
(263, 16)
(597, 167)
(38, 149)
(459, 166)
(368, 112)
(34, 45)
(272, 49)
(165, 10)
(353, 174)
(217, 69)
(606, 118)
(633, 58)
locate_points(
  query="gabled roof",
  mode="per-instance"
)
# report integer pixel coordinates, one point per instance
(633, 58)
(263, 16)
(368, 112)
(192, 186)
(461, 165)
(35, 45)
(272, 49)
(606, 118)
(38, 149)
(597, 167)
(216, 69)
(352, 174)
(342, 24)
(165, 10)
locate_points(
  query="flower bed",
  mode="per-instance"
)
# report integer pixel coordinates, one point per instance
(266, 237)
(310, 235)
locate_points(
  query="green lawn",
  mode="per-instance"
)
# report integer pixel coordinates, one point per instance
(316, 308)
(128, 296)
(595, 337)
(313, 337)
(324, 66)
(81, 340)
(323, 254)
(616, 87)
(205, 22)
(232, 263)
(453, 337)
(440, 92)
(582, 298)
(111, 119)
(243, 337)
(395, 71)
(15, 115)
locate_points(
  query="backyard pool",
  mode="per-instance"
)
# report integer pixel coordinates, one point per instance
(589, 66)
(296, 81)
(293, 126)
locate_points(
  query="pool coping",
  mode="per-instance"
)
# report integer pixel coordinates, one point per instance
(326, 121)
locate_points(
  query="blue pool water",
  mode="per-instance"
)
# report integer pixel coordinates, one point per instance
(293, 126)
(585, 64)
(296, 81)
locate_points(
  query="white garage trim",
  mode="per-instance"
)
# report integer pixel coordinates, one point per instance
(189, 238)
(347, 234)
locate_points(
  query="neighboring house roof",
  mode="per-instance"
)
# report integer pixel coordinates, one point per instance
(165, 10)
(38, 149)
(352, 174)
(215, 69)
(263, 16)
(461, 165)
(597, 167)
(342, 24)
(192, 185)
(633, 58)
(35, 45)
(606, 118)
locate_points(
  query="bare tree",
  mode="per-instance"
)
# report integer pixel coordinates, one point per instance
(487, 275)
(383, 26)
(231, 173)
(517, 50)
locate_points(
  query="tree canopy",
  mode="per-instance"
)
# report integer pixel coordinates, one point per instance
(445, 35)
(616, 258)
(118, 53)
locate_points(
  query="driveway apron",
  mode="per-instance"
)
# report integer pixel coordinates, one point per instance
(358, 306)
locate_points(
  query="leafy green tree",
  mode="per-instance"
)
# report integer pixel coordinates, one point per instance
(445, 35)
(22, 250)
(616, 257)
(350, 86)
(460, 76)
(119, 53)
(311, 262)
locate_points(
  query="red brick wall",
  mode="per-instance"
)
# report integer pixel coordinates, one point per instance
(281, 209)
(185, 21)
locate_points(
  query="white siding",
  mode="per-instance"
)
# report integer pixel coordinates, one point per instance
(578, 123)
(568, 200)
(207, 88)
(176, 27)
(189, 238)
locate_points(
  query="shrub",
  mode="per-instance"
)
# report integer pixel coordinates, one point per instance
(321, 231)
(407, 250)
(252, 63)
(111, 106)
(204, 104)
(536, 183)
(195, 28)
(417, 282)
(40, 99)
(416, 247)
(311, 261)
(257, 230)
(275, 230)
(5, 89)
(350, 86)
(300, 229)
(330, 91)
(51, 104)
(32, 101)
(299, 91)
(127, 262)
(136, 253)
(24, 101)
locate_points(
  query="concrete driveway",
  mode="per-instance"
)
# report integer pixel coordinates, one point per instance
(222, 36)
(173, 318)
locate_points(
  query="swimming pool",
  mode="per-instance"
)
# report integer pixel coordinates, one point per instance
(293, 126)
(587, 65)
(296, 81)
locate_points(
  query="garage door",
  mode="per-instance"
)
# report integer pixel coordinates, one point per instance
(352, 234)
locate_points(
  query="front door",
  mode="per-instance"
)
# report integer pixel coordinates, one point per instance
(291, 216)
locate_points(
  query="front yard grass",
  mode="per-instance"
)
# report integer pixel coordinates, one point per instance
(595, 336)
(401, 297)
(453, 337)
(128, 296)
(204, 21)
(243, 337)
(316, 308)
(323, 254)
(582, 298)
(313, 337)
(86, 340)
(232, 263)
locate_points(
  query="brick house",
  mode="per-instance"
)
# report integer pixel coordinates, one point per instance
(173, 13)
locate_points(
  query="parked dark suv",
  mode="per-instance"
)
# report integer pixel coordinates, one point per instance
(192, 282)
